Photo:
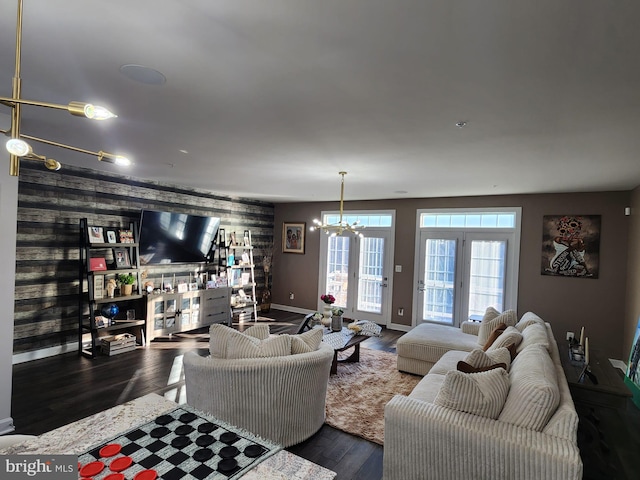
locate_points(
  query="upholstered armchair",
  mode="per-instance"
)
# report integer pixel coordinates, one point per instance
(280, 398)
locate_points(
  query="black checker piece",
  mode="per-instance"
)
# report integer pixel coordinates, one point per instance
(228, 438)
(159, 432)
(206, 427)
(203, 455)
(228, 452)
(205, 440)
(180, 442)
(228, 465)
(164, 419)
(253, 451)
(188, 417)
(184, 430)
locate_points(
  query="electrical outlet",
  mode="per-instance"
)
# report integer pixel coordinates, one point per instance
(400, 312)
(291, 296)
(570, 336)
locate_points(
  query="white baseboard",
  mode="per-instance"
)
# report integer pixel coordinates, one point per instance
(44, 353)
(289, 308)
(6, 426)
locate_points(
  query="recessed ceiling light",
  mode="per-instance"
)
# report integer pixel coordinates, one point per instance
(461, 124)
(183, 151)
(142, 74)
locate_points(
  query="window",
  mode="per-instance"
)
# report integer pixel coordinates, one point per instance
(467, 260)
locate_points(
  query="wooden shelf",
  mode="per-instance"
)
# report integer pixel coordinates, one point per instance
(119, 298)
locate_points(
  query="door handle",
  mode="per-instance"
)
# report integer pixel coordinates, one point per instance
(384, 285)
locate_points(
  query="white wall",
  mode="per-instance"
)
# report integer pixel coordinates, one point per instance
(8, 218)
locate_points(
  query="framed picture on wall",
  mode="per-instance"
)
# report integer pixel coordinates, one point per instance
(571, 246)
(293, 237)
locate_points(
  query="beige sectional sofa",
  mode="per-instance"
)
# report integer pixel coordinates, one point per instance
(513, 423)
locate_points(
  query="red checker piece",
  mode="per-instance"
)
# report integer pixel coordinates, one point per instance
(120, 464)
(91, 469)
(110, 450)
(146, 475)
(114, 476)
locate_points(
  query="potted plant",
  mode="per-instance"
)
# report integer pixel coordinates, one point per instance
(126, 281)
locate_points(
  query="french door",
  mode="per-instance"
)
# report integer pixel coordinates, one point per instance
(461, 273)
(356, 272)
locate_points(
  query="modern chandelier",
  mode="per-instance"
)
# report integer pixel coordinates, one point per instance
(17, 146)
(336, 229)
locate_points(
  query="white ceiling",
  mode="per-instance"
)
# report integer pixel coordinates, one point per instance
(271, 98)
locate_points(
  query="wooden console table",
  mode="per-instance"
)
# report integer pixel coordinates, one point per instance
(610, 391)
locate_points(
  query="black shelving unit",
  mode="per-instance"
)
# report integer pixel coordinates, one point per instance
(91, 299)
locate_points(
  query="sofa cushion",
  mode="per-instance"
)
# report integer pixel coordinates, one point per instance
(428, 388)
(448, 362)
(527, 319)
(244, 346)
(511, 336)
(259, 331)
(480, 358)
(481, 393)
(306, 342)
(534, 333)
(464, 367)
(534, 394)
(494, 335)
(218, 338)
(428, 342)
(492, 318)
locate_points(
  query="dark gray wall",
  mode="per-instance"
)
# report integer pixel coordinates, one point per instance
(50, 206)
(567, 303)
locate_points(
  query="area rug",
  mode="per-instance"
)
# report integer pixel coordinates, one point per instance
(357, 394)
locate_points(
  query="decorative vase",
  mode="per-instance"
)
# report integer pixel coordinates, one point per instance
(326, 315)
(336, 323)
(265, 305)
(126, 289)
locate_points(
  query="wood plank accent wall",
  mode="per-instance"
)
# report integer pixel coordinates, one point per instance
(50, 206)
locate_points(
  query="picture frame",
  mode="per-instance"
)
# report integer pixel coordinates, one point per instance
(571, 246)
(293, 237)
(183, 287)
(121, 258)
(111, 235)
(96, 234)
(126, 236)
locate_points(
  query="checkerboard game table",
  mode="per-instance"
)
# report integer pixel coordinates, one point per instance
(130, 425)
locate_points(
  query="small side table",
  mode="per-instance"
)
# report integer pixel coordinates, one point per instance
(610, 391)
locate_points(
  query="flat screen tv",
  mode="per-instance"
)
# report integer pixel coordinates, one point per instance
(169, 237)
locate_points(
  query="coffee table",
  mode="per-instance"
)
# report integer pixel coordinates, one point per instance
(341, 341)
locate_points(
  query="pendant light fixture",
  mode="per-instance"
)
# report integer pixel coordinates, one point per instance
(17, 145)
(336, 229)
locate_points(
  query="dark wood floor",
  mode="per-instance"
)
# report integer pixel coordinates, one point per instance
(52, 392)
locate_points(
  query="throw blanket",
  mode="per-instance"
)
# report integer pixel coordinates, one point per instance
(365, 327)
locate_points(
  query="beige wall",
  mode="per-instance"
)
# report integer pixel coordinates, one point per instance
(567, 303)
(633, 277)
